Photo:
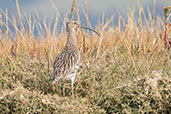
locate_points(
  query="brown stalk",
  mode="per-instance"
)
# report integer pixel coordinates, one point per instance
(30, 31)
(58, 14)
(145, 18)
(54, 28)
(139, 11)
(86, 12)
(19, 14)
(131, 4)
(154, 2)
(1, 24)
(72, 9)
(15, 26)
(13, 49)
(77, 15)
(7, 29)
(101, 37)
(1, 36)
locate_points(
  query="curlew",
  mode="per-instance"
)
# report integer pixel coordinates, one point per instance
(67, 62)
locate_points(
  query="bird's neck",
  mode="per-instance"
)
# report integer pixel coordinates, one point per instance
(71, 39)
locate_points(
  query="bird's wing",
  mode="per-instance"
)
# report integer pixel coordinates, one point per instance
(64, 64)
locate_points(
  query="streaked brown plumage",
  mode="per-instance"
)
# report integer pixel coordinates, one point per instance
(67, 62)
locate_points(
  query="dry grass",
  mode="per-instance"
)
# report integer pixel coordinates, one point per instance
(131, 73)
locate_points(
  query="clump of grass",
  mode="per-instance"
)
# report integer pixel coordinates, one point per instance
(21, 100)
(126, 71)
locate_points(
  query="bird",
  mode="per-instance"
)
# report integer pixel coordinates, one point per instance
(67, 63)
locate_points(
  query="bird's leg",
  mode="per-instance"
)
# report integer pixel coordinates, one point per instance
(72, 87)
(63, 88)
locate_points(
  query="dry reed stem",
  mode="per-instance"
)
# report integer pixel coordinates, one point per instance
(58, 14)
(101, 36)
(77, 14)
(19, 31)
(72, 9)
(131, 4)
(47, 29)
(19, 15)
(154, 2)
(7, 29)
(30, 27)
(15, 26)
(86, 12)
(14, 49)
(2, 29)
(54, 28)
(139, 12)
(1, 24)
(145, 18)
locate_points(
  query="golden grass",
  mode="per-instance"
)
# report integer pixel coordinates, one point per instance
(123, 71)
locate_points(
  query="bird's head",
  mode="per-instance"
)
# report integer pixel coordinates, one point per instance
(72, 26)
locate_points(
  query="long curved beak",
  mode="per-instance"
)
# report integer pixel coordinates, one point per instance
(90, 29)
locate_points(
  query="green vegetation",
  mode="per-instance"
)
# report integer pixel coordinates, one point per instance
(130, 72)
